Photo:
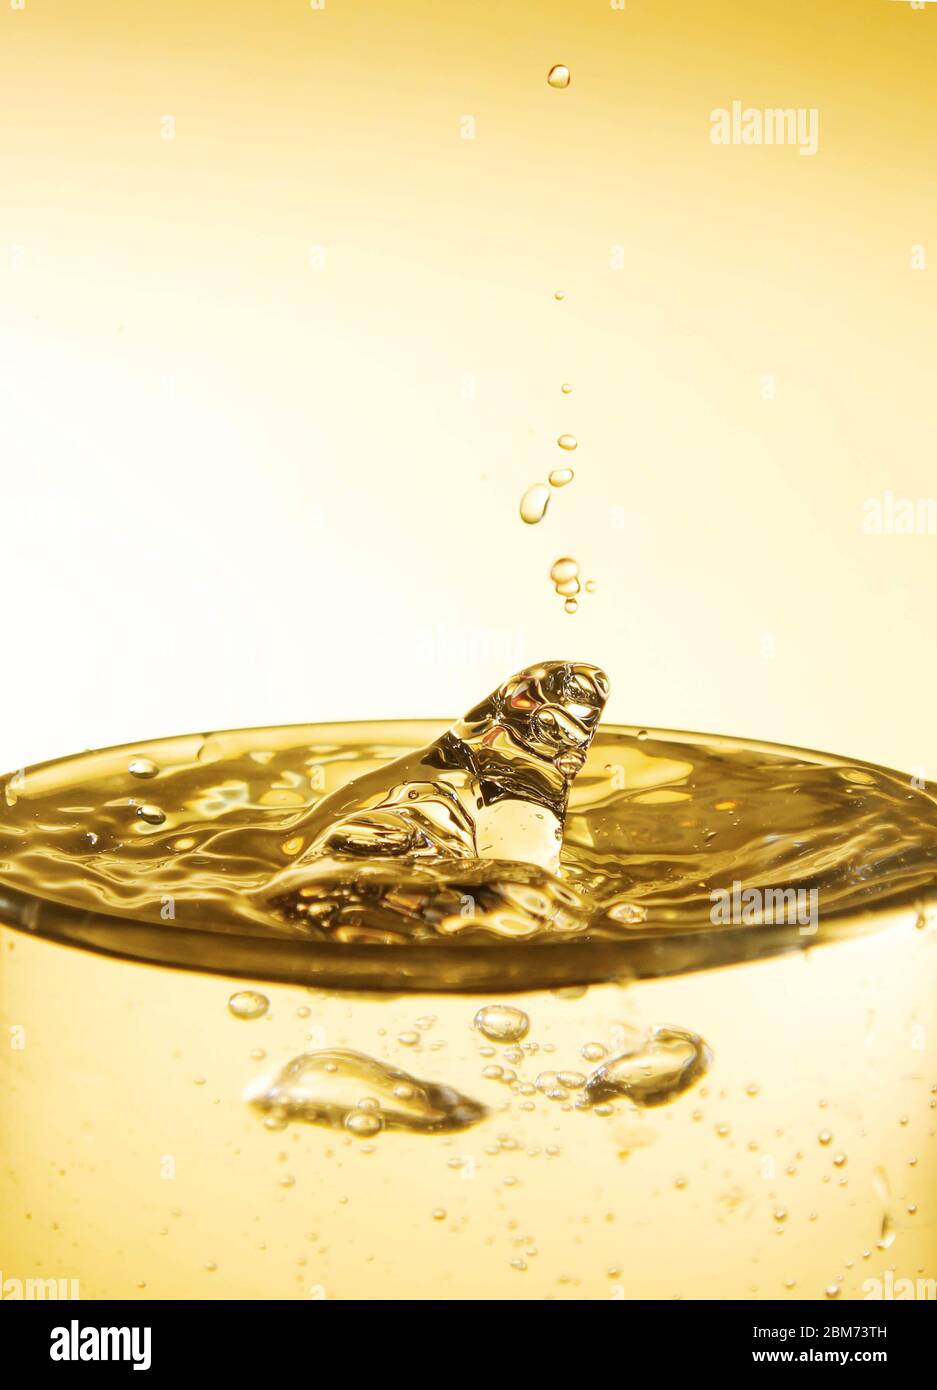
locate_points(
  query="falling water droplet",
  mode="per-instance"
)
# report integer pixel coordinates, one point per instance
(563, 569)
(558, 76)
(248, 1003)
(568, 441)
(142, 767)
(888, 1233)
(502, 1023)
(534, 503)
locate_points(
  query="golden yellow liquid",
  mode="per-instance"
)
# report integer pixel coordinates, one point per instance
(801, 1165)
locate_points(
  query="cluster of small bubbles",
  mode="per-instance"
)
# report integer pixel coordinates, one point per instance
(501, 1023)
(248, 1003)
(142, 767)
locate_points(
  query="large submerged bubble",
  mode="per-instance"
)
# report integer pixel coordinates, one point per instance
(348, 1090)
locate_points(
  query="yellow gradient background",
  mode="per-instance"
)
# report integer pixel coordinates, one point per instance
(270, 390)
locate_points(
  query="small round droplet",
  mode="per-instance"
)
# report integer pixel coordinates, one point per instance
(568, 441)
(142, 767)
(825, 1137)
(566, 388)
(571, 605)
(591, 586)
(363, 1123)
(559, 294)
(502, 1023)
(151, 814)
(248, 1003)
(832, 1291)
(561, 476)
(558, 76)
(534, 503)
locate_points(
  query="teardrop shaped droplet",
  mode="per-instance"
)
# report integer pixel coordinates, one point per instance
(558, 76)
(534, 503)
(663, 1065)
(502, 1023)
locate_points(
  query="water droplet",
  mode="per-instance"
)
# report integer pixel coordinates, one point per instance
(558, 76)
(326, 1088)
(151, 814)
(832, 1291)
(439, 1214)
(248, 1003)
(888, 1232)
(568, 587)
(560, 477)
(364, 1123)
(566, 388)
(559, 294)
(534, 503)
(568, 441)
(142, 767)
(502, 1023)
(825, 1137)
(563, 569)
(663, 1065)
